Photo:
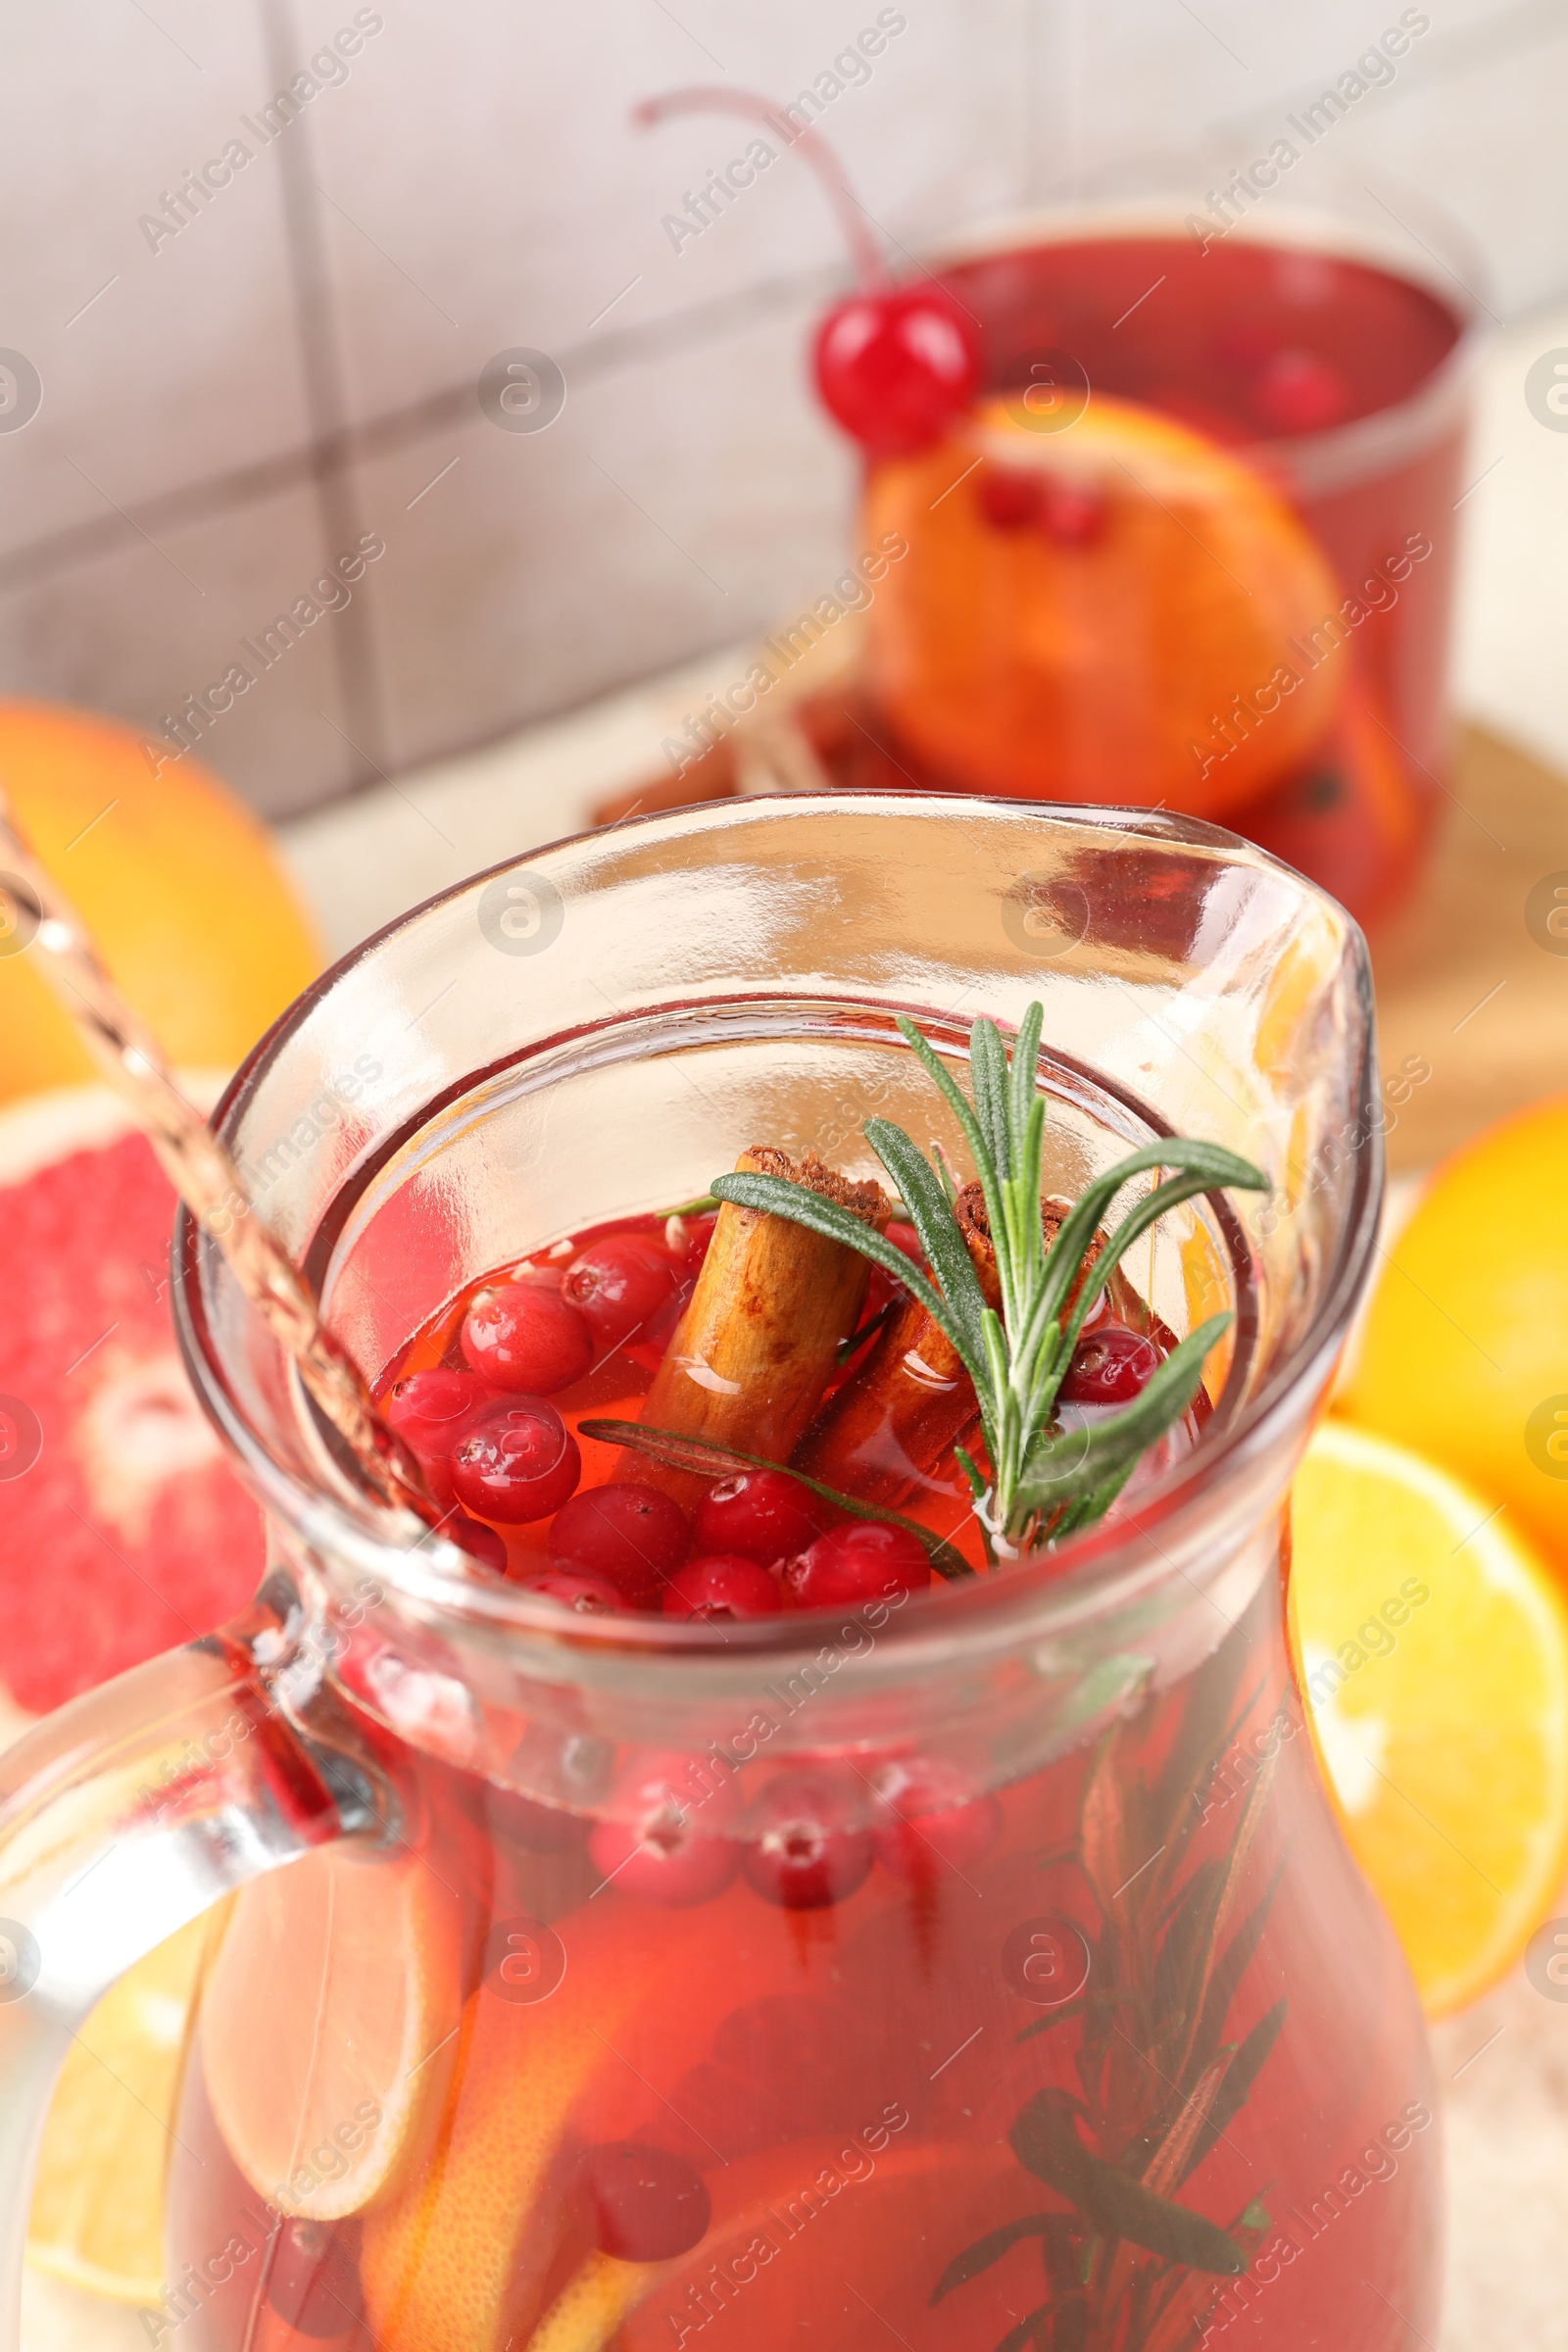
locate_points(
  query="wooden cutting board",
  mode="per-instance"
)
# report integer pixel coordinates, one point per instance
(1467, 982)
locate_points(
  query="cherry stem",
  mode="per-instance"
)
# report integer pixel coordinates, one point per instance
(870, 266)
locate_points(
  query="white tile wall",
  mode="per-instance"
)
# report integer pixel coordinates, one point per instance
(648, 528)
(161, 368)
(300, 362)
(141, 626)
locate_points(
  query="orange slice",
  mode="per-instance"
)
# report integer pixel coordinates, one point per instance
(831, 2243)
(1188, 652)
(329, 2026)
(465, 2258)
(1432, 1647)
(1465, 1354)
(97, 2219)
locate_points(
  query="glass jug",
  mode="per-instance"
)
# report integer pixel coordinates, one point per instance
(1140, 2064)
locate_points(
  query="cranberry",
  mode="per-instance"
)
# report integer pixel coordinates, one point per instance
(765, 1515)
(647, 2203)
(670, 1843)
(483, 1543)
(619, 1284)
(864, 1562)
(936, 1819)
(575, 1589)
(1073, 513)
(515, 1462)
(630, 1534)
(722, 1585)
(903, 1237)
(312, 2278)
(803, 1851)
(1009, 497)
(430, 1410)
(898, 367)
(526, 1336)
(1299, 393)
(1108, 1366)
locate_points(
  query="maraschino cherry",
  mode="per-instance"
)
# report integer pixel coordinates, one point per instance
(897, 365)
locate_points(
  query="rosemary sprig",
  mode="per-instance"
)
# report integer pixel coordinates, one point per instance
(1045, 1482)
(700, 1455)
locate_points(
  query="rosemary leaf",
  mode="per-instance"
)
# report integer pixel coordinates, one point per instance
(1046, 2141)
(675, 1451)
(1224, 1980)
(988, 1075)
(1209, 1724)
(1041, 1489)
(942, 1077)
(1029, 2330)
(1242, 2073)
(1211, 1163)
(1145, 1213)
(1065, 1468)
(986, 2250)
(947, 1252)
(1025, 1058)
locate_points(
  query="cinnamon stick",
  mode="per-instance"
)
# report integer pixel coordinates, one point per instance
(759, 1338)
(882, 1434)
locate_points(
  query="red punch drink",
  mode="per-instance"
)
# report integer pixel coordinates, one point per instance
(727, 2045)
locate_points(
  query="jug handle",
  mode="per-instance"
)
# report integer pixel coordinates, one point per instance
(125, 1815)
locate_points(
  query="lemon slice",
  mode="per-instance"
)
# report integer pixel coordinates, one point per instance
(97, 2217)
(328, 2027)
(1433, 1648)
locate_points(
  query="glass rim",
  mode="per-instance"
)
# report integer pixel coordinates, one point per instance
(1051, 1591)
(1314, 463)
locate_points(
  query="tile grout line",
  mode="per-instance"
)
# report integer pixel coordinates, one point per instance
(330, 459)
(393, 430)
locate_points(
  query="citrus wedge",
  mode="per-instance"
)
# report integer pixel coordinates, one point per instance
(1187, 648)
(329, 2026)
(1433, 1649)
(97, 2217)
(186, 899)
(1465, 1353)
(824, 2243)
(466, 2255)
